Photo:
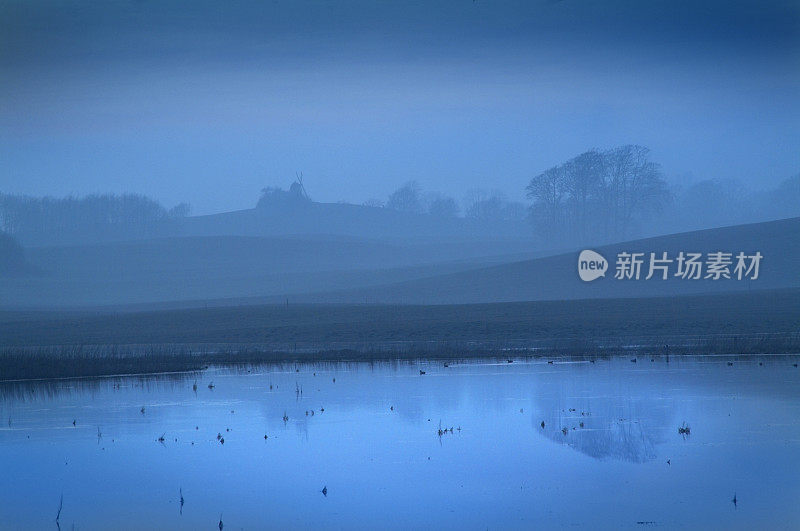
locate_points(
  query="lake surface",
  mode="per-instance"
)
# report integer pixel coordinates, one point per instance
(610, 454)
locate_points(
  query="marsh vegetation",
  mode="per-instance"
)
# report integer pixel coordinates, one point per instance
(58, 345)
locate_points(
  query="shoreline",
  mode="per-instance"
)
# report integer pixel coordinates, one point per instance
(26, 364)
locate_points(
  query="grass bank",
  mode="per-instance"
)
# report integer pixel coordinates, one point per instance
(59, 345)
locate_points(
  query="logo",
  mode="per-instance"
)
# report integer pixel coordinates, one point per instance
(591, 265)
(717, 265)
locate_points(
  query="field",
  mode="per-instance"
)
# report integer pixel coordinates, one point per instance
(200, 271)
(555, 278)
(42, 344)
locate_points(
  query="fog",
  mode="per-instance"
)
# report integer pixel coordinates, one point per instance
(207, 151)
(207, 103)
(375, 263)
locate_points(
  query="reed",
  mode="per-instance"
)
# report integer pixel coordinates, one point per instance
(72, 361)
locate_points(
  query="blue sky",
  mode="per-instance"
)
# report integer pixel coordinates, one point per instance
(208, 102)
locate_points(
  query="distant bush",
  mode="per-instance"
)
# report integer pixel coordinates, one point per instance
(411, 199)
(492, 205)
(407, 198)
(181, 210)
(441, 206)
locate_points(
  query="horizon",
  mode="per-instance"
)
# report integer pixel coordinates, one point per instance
(676, 185)
(208, 106)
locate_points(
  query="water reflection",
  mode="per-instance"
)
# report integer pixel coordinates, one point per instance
(598, 420)
(121, 449)
(47, 390)
(630, 439)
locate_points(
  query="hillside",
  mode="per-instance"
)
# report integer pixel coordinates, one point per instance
(355, 221)
(232, 270)
(200, 269)
(556, 277)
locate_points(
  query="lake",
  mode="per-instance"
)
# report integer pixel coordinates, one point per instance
(533, 445)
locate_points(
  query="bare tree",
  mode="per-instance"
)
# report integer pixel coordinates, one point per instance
(181, 210)
(548, 192)
(597, 194)
(492, 205)
(407, 198)
(374, 203)
(584, 184)
(633, 186)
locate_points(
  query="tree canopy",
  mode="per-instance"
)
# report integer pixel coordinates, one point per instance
(597, 194)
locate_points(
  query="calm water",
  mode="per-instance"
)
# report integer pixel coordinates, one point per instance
(377, 449)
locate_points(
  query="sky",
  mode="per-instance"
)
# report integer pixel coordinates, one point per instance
(208, 102)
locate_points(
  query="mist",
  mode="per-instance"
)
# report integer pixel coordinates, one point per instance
(195, 153)
(309, 264)
(207, 105)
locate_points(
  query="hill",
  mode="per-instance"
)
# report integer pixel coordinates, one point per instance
(355, 221)
(556, 277)
(201, 269)
(233, 270)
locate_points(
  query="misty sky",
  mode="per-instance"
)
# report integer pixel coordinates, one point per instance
(208, 102)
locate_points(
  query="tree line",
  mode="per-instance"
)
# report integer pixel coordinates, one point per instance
(480, 205)
(47, 220)
(609, 195)
(597, 196)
